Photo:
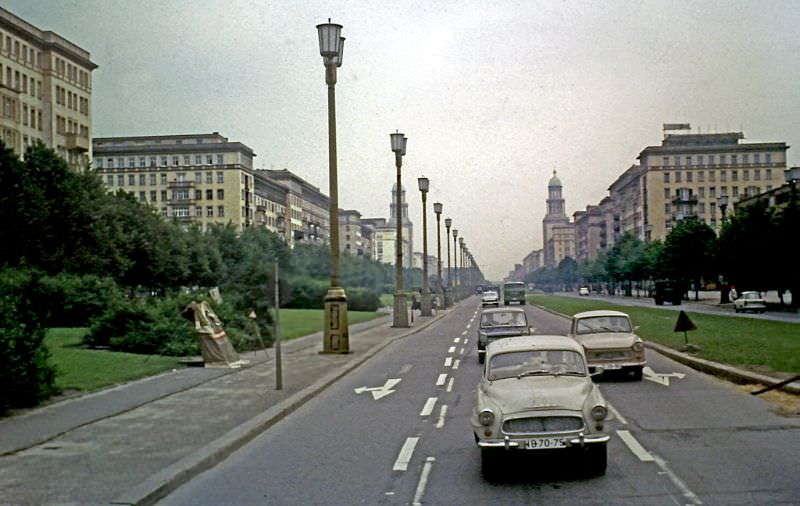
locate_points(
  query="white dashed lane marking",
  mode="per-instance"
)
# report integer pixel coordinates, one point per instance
(442, 378)
(406, 452)
(429, 405)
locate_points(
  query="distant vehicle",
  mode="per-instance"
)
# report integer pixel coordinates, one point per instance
(667, 291)
(499, 322)
(514, 291)
(610, 341)
(490, 298)
(535, 393)
(584, 290)
(750, 301)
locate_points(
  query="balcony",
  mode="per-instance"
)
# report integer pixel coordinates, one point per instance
(187, 183)
(75, 142)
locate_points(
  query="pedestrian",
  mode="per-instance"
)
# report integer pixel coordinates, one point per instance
(733, 293)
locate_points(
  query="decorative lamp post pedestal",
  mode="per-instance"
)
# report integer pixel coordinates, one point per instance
(336, 337)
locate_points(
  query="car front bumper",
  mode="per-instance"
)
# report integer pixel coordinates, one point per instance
(518, 443)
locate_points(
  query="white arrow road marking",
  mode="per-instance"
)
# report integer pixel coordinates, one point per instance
(429, 405)
(634, 446)
(661, 378)
(378, 392)
(442, 378)
(442, 414)
(404, 457)
(423, 481)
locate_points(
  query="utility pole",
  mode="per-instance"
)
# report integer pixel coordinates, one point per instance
(278, 365)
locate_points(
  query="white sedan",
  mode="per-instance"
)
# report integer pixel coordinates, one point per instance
(750, 301)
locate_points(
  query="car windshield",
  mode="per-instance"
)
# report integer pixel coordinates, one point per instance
(598, 324)
(519, 364)
(488, 295)
(750, 295)
(503, 319)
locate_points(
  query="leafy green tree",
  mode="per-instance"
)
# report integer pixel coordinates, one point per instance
(688, 253)
(568, 273)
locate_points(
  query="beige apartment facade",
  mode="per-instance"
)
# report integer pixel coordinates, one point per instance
(45, 91)
(309, 219)
(271, 203)
(195, 179)
(353, 238)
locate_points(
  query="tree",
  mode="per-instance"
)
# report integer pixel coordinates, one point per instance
(688, 252)
(568, 273)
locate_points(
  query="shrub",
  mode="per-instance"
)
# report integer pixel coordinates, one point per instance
(26, 378)
(74, 300)
(362, 299)
(306, 293)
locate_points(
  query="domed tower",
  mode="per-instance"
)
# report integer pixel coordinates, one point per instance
(408, 227)
(555, 218)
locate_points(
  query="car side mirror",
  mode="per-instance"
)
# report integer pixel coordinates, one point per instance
(598, 370)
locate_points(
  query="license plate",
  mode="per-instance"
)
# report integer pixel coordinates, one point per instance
(546, 443)
(611, 366)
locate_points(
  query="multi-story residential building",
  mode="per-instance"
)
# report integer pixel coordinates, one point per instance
(271, 200)
(45, 91)
(309, 208)
(687, 173)
(590, 233)
(556, 227)
(533, 261)
(352, 238)
(627, 194)
(384, 239)
(196, 179)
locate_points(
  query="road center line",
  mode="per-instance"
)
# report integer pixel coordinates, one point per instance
(448, 361)
(456, 364)
(423, 481)
(442, 414)
(457, 340)
(634, 446)
(688, 494)
(406, 452)
(442, 378)
(464, 333)
(617, 414)
(469, 324)
(428, 408)
(466, 341)
(462, 351)
(452, 349)
(450, 384)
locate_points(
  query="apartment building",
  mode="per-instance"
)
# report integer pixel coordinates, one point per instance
(196, 179)
(309, 220)
(590, 233)
(45, 91)
(271, 202)
(352, 236)
(688, 172)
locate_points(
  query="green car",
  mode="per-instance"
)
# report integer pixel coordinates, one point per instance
(514, 291)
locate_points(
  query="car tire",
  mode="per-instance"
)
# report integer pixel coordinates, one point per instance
(490, 463)
(481, 358)
(595, 459)
(637, 373)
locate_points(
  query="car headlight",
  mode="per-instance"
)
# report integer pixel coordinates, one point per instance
(599, 412)
(486, 417)
(638, 346)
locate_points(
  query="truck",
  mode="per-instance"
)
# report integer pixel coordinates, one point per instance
(514, 291)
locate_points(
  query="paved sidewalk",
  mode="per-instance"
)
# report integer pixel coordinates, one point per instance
(134, 443)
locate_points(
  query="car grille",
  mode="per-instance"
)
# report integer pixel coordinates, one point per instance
(610, 355)
(542, 424)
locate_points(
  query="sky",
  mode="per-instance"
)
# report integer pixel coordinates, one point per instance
(492, 95)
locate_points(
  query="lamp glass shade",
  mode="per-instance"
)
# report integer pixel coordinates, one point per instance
(329, 38)
(448, 222)
(723, 200)
(437, 207)
(424, 184)
(397, 142)
(405, 142)
(455, 232)
(792, 174)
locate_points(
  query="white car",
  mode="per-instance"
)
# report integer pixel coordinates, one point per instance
(750, 301)
(610, 341)
(490, 298)
(536, 394)
(584, 290)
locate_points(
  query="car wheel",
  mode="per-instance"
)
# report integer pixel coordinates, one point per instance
(490, 463)
(637, 373)
(595, 459)
(481, 358)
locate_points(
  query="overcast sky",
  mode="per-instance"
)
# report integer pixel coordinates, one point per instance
(492, 95)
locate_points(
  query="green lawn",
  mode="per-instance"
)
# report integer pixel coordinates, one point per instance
(762, 345)
(387, 299)
(85, 370)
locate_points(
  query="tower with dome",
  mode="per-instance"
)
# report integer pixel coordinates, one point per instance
(558, 234)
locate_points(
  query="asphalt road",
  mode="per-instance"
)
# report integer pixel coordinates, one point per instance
(396, 431)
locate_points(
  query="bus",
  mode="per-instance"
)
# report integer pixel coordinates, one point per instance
(514, 291)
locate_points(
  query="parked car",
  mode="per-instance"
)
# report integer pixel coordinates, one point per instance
(750, 301)
(535, 393)
(490, 298)
(499, 322)
(667, 291)
(610, 341)
(584, 290)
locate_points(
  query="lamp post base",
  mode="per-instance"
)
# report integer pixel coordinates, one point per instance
(400, 317)
(336, 336)
(425, 304)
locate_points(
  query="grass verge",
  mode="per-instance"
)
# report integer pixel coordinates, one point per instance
(301, 322)
(759, 345)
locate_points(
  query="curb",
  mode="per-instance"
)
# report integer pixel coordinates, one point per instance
(722, 370)
(170, 478)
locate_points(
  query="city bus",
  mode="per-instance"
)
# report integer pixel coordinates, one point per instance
(514, 291)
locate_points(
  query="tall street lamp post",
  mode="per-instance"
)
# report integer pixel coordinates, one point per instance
(724, 289)
(448, 294)
(455, 265)
(425, 303)
(437, 209)
(400, 318)
(462, 274)
(336, 337)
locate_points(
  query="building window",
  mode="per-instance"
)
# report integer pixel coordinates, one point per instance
(181, 177)
(220, 159)
(757, 158)
(142, 161)
(769, 174)
(198, 211)
(176, 160)
(198, 194)
(768, 157)
(198, 159)
(152, 179)
(164, 212)
(734, 160)
(187, 160)
(701, 192)
(688, 161)
(220, 211)
(735, 191)
(163, 179)
(666, 177)
(701, 176)
(746, 158)
(198, 177)
(163, 195)
(209, 177)
(711, 160)
(152, 161)
(678, 178)
(677, 161)
(700, 160)
(723, 159)
(745, 175)
(220, 177)
(220, 194)
(99, 163)
(688, 177)
(141, 180)
(665, 161)
(723, 190)
(209, 159)
(210, 211)
(142, 197)
(131, 162)
(734, 175)
(152, 195)
(666, 193)
(723, 176)
(209, 194)
(110, 180)
(121, 180)
(163, 161)
(757, 174)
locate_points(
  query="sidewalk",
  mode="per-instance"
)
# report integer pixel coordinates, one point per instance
(134, 443)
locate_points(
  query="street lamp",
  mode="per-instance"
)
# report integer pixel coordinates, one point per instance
(722, 202)
(425, 303)
(437, 208)
(400, 319)
(336, 336)
(462, 275)
(449, 292)
(724, 290)
(455, 264)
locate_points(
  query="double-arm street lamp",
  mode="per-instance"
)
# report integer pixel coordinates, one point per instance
(448, 294)
(437, 208)
(425, 303)
(400, 318)
(336, 334)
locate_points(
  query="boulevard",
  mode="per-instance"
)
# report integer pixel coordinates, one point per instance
(396, 431)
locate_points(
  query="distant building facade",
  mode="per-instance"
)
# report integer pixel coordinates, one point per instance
(352, 236)
(45, 91)
(558, 236)
(310, 214)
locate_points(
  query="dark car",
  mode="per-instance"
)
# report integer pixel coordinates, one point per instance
(667, 291)
(499, 322)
